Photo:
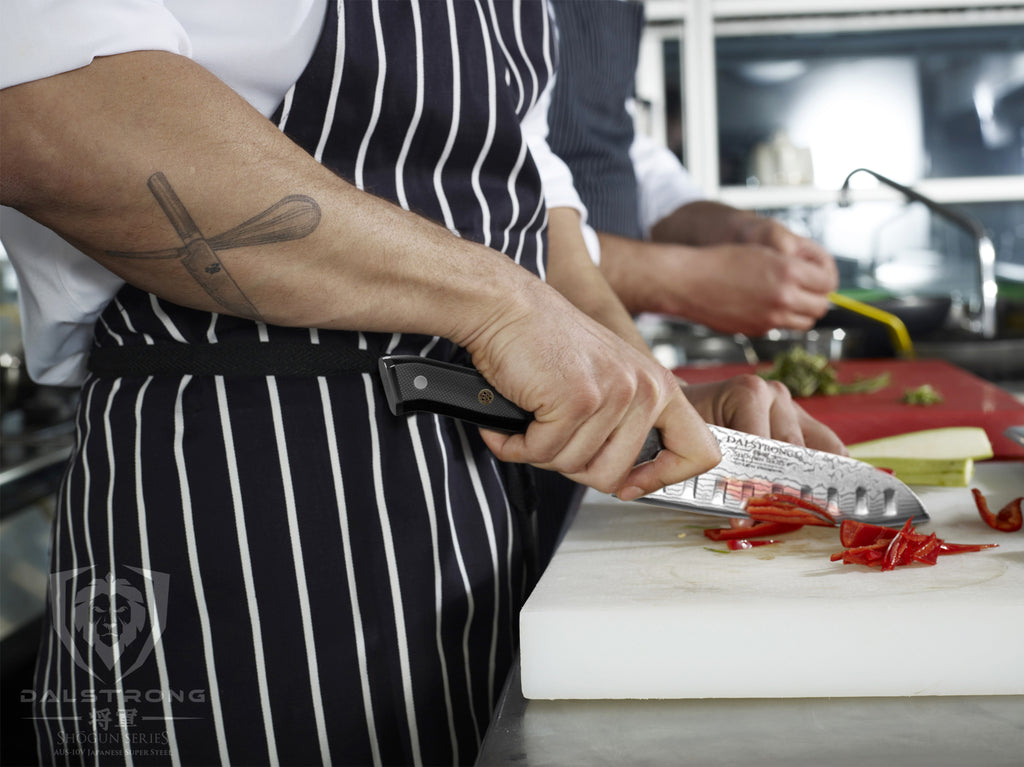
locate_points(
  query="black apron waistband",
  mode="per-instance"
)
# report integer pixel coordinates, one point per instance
(231, 358)
(293, 358)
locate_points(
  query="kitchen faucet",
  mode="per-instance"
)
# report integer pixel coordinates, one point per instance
(981, 309)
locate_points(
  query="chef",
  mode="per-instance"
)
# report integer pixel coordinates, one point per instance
(663, 247)
(220, 219)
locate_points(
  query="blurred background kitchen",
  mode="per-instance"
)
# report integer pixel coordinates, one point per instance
(771, 105)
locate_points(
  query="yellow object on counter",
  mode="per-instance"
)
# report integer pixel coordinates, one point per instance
(897, 330)
(943, 456)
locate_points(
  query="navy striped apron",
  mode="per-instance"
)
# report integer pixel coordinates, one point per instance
(590, 127)
(274, 569)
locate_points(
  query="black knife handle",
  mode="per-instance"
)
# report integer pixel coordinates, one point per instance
(413, 383)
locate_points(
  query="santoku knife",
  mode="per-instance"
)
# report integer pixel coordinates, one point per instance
(750, 466)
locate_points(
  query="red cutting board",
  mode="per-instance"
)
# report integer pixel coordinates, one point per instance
(967, 401)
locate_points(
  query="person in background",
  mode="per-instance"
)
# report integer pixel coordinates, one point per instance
(662, 247)
(221, 217)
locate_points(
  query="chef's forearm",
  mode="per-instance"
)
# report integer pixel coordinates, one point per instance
(87, 152)
(704, 222)
(643, 274)
(572, 272)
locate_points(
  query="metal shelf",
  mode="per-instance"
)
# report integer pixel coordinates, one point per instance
(698, 23)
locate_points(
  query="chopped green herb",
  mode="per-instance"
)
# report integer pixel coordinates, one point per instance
(715, 551)
(805, 374)
(922, 395)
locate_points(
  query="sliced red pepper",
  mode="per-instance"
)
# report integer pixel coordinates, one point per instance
(876, 546)
(869, 556)
(789, 500)
(1010, 518)
(780, 505)
(861, 554)
(758, 530)
(927, 553)
(789, 515)
(853, 533)
(745, 543)
(961, 548)
(900, 551)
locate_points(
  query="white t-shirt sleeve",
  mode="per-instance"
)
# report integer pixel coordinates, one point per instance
(663, 184)
(41, 38)
(556, 178)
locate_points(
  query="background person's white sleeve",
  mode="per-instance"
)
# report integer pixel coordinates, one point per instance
(664, 185)
(556, 178)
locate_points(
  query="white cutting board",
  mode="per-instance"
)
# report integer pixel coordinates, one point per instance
(629, 609)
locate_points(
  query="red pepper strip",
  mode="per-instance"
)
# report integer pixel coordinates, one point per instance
(928, 552)
(744, 543)
(853, 533)
(894, 548)
(786, 498)
(782, 513)
(960, 548)
(896, 552)
(902, 547)
(1010, 518)
(874, 558)
(869, 556)
(786, 501)
(859, 554)
(757, 531)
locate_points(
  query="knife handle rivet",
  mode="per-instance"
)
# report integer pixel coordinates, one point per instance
(420, 382)
(485, 396)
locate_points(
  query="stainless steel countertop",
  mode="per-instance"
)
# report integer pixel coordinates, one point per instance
(984, 731)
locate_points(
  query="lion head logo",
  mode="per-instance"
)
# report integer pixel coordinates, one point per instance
(114, 612)
(118, 618)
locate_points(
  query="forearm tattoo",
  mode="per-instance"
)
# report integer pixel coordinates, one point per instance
(291, 218)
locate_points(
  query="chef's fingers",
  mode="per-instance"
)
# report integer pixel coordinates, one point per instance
(742, 403)
(819, 436)
(606, 467)
(540, 445)
(802, 309)
(825, 269)
(689, 449)
(812, 267)
(596, 452)
(751, 404)
(813, 277)
(567, 437)
(605, 459)
(783, 418)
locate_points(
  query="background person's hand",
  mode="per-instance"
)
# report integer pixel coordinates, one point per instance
(749, 289)
(766, 408)
(728, 269)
